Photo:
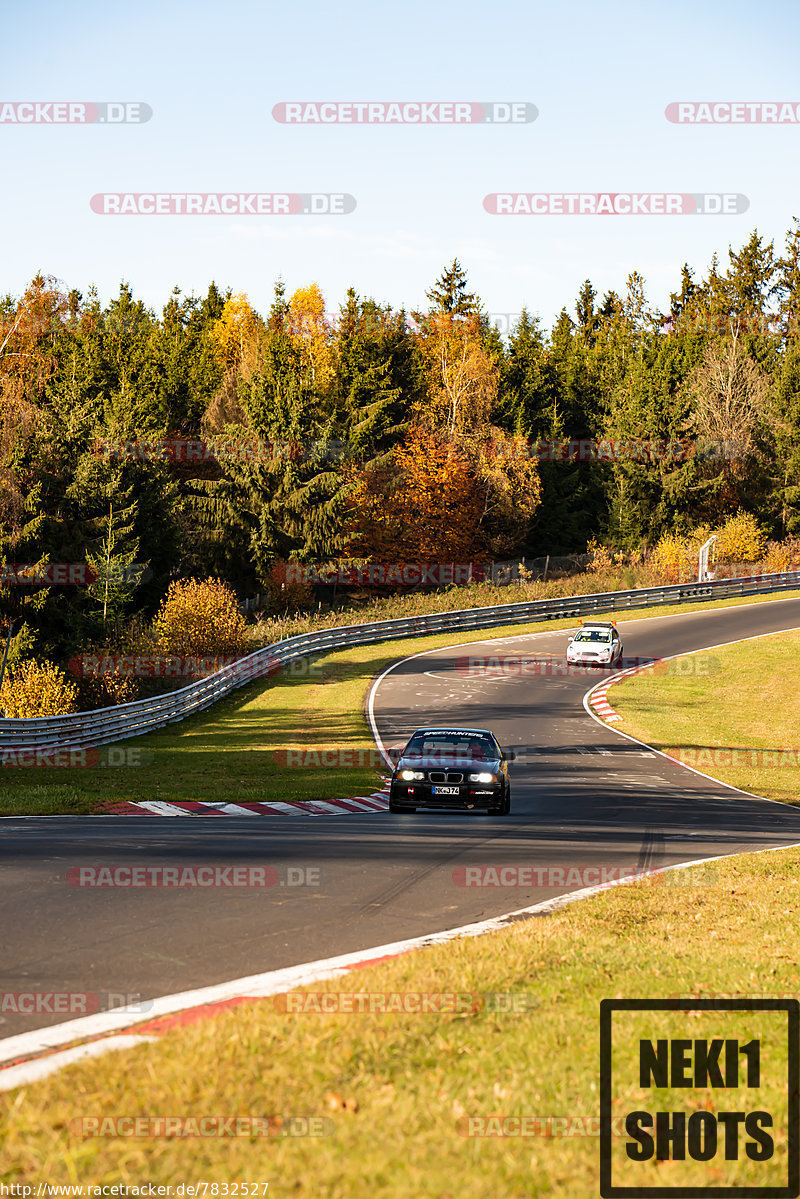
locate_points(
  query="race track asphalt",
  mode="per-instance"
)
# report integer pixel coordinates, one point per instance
(587, 804)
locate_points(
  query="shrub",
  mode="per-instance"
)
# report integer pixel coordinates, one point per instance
(741, 539)
(674, 557)
(781, 556)
(200, 617)
(107, 690)
(601, 557)
(37, 689)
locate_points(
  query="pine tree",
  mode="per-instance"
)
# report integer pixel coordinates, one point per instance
(374, 387)
(787, 284)
(449, 294)
(588, 319)
(116, 572)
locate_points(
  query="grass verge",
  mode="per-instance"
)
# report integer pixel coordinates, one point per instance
(228, 754)
(398, 1090)
(733, 713)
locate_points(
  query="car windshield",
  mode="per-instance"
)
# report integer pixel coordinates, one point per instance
(470, 747)
(601, 635)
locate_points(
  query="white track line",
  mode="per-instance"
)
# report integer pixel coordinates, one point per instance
(107, 1025)
(324, 808)
(587, 700)
(27, 1072)
(101, 1024)
(160, 808)
(788, 599)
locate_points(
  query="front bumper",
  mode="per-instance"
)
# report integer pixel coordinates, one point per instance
(587, 660)
(470, 795)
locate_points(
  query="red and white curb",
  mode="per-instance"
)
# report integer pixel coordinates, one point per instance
(599, 701)
(588, 703)
(598, 696)
(377, 801)
(29, 1057)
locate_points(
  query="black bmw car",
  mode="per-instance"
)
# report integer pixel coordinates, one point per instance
(451, 768)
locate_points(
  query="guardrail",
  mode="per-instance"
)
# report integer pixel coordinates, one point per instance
(100, 727)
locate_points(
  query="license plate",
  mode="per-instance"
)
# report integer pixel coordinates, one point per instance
(445, 790)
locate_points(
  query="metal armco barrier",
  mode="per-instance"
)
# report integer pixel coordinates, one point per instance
(86, 729)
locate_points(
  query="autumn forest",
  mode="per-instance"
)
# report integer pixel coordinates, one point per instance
(213, 440)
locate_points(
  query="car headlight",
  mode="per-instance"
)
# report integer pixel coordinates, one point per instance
(408, 775)
(483, 778)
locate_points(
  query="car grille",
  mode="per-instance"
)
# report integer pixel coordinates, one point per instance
(439, 776)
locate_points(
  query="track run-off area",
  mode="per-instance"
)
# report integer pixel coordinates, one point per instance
(588, 805)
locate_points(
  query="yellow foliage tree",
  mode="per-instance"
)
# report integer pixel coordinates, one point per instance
(36, 689)
(236, 334)
(512, 490)
(675, 557)
(200, 617)
(782, 555)
(312, 335)
(462, 378)
(741, 539)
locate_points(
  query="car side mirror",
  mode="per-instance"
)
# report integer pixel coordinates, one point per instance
(510, 755)
(394, 754)
(570, 641)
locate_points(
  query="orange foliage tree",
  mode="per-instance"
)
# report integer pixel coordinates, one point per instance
(461, 383)
(425, 506)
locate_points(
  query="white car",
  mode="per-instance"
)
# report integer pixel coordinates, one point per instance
(597, 643)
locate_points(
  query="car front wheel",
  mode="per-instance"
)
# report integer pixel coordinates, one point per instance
(505, 806)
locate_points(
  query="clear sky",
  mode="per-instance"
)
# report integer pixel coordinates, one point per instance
(600, 75)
